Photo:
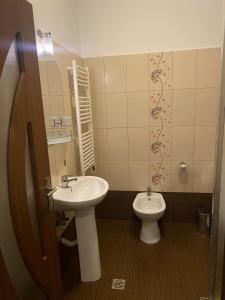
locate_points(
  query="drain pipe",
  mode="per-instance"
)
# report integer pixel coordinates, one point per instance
(66, 242)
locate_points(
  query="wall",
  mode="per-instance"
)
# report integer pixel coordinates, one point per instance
(152, 111)
(97, 28)
(59, 18)
(57, 103)
(130, 26)
(120, 27)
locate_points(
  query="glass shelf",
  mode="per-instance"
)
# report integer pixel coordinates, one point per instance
(59, 139)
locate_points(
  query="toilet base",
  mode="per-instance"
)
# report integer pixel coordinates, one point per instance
(150, 233)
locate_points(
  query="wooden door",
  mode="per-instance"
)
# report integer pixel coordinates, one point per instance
(27, 131)
(7, 291)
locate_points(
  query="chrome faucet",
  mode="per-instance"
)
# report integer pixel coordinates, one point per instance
(65, 179)
(149, 191)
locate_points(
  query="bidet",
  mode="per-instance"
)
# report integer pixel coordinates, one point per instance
(149, 209)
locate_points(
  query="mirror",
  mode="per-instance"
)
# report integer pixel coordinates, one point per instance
(52, 93)
(58, 116)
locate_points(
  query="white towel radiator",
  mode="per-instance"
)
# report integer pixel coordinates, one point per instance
(82, 104)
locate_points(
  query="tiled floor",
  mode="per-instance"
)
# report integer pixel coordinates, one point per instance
(177, 268)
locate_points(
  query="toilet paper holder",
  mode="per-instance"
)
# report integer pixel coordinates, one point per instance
(183, 165)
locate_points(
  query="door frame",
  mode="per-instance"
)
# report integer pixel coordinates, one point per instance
(217, 266)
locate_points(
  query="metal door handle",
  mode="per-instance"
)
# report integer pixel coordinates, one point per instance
(51, 192)
(50, 197)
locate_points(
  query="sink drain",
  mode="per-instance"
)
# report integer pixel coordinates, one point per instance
(118, 284)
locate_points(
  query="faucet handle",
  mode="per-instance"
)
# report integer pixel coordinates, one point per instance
(68, 178)
(64, 178)
(72, 178)
(149, 189)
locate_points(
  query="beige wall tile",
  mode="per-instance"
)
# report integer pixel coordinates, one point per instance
(60, 160)
(56, 105)
(137, 73)
(160, 143)
(64, 74)
(54, 79)
(47, 110)
(52, 163)
(138, 143)
(182, 143)
(115, 74)
(102, 169)
(182, 179)
(63, 58)
(138, 109)
(118, 144)
(205, 142)
(70, 159)
(119, 175)
(43, 77)
(203, 181)
(66, 78)
(160, 176)
(67, 105)
(97, 74)
(116, 107)
(183, 111)
(208, 67)
(160, 66)
(184, 69)
(53, 107)
(207, 106)
(101, 144)
(99, 110)
(160, 107)
(139, 175)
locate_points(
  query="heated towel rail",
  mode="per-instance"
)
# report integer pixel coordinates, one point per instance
(82, 104)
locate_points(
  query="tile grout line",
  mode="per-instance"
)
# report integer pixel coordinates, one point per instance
(128, 140)
(196, 85)
(107, 129)
(171, 120)
(149, 119)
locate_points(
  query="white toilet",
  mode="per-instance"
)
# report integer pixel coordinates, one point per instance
(149, 207)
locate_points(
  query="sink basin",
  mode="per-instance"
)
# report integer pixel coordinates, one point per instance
(82, 196)
(87, 191)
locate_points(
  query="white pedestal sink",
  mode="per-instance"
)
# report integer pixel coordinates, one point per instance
(82, 196)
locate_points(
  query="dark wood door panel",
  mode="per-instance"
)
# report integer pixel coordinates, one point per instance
(18, 189)
(7, 291)
(27, 120)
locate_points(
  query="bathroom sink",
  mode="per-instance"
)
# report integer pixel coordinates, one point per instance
(87, 191)
(81, 196)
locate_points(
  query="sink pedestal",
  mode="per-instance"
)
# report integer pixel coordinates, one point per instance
(87, 238)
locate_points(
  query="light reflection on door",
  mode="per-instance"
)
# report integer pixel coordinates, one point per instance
(21, 279)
